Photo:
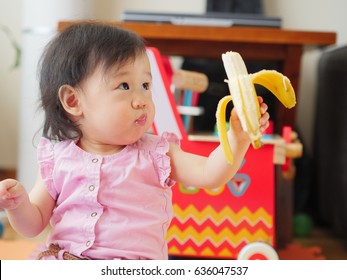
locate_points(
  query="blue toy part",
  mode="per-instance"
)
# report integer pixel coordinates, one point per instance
(239, 184)
(1, 229)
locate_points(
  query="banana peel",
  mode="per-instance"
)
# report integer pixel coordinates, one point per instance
(244, 97)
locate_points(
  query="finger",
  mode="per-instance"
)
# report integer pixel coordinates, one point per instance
(5, 195)
(260, 99)
(263, 108)
(13, 187)
(264, 118)
(264, 127)
(10, 188)
(8, 183)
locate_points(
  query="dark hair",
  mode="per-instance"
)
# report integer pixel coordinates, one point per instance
(73, 55)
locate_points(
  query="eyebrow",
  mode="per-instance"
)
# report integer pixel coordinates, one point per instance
(124, 73)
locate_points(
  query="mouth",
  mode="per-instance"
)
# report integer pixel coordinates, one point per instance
(141, 121)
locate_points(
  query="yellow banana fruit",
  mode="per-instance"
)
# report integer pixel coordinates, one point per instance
(244, 97)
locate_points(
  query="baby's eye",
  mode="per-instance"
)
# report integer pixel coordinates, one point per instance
(124, 86)
(146, 86)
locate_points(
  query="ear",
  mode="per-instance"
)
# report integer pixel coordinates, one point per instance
(69, 98)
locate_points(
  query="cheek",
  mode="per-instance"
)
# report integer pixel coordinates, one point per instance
(107, 115)
(118, 115)
(151, 109)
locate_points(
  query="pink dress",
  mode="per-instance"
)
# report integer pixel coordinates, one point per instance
(110, 207)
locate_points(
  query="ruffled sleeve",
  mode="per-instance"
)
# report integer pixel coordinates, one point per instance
(45, 155)
(162, 160)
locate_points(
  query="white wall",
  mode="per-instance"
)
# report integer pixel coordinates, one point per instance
(112, 9)
(37, 30)
(318, 15)
(10, 15)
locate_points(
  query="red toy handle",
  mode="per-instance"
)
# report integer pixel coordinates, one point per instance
(286, 134)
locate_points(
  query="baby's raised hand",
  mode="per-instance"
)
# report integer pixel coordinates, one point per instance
(12, 194)
(263, 121)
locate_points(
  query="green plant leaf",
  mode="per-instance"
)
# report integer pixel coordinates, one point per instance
(14, 44)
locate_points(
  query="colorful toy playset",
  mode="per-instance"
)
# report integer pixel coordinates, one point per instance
(236, 218)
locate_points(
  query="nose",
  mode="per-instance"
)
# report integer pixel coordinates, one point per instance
(139, 103)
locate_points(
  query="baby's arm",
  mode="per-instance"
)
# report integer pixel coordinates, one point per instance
(214, 171)
(28, 214)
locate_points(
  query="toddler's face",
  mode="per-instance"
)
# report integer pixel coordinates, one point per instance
(117, 105)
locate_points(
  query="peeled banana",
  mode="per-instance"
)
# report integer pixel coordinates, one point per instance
(244, 97)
